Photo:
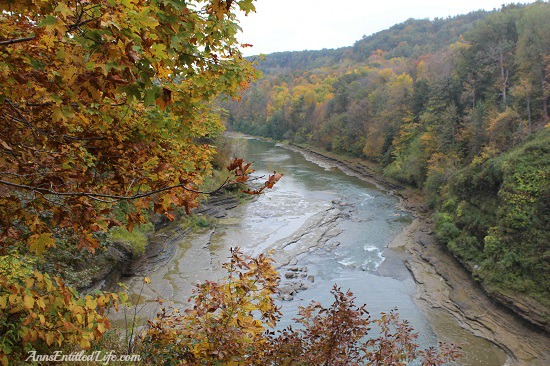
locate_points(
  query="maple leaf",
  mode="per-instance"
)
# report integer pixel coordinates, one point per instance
(38, 243)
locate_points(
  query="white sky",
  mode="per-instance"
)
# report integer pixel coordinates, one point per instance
(295, 25)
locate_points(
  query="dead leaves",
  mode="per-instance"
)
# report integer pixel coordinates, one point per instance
(274, 178)
(241, 169)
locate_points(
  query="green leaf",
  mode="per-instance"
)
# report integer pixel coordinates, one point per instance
(39, 243)
(150, 97)
(158, 50)
(48, 20)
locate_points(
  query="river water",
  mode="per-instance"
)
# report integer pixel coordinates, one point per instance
(326, 228)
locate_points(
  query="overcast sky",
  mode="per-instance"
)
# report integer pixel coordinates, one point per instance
(295, 25)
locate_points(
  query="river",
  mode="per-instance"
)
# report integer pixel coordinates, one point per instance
(326, 228)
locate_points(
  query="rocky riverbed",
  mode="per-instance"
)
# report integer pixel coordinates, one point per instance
(444, 287)
(309, 234)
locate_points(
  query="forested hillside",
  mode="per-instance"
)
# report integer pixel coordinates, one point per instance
(457, 107)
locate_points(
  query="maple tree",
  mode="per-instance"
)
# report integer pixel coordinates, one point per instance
(103, 101)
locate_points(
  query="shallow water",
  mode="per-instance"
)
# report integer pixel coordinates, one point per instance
(337, 226)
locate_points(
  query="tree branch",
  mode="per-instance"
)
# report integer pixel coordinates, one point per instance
(113, 197)
(70, 27)
(17, 40)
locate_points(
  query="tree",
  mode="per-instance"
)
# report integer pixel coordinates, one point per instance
(533, 54)
(494, 42)
(229, 322)
(104, 101)
(101, 102)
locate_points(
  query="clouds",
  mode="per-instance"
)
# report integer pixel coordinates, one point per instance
(294, 25)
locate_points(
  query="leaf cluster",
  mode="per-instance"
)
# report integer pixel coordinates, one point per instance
(108, 101)
(231, 323)
(40, 311)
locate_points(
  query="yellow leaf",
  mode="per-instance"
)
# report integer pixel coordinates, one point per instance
(101, 300)
(28, 302)
(40, 302)
(39, 243)
(33, 334)
(147, 280)
(50, 338)
(14, 299)
(84, 343)
(91, 303)
(3, 301)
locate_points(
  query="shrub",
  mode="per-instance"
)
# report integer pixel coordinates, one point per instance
(228, 323)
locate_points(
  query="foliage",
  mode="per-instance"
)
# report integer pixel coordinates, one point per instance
(221, 325)
(105, 110)
(40, 311)
(495, 217)
(106, 101)
(228, 323)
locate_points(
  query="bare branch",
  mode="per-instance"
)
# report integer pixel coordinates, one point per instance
(97, 196)
(17, 40)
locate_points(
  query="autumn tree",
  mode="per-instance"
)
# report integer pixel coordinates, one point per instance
(436, 102)
(101, 102)
(104, 101)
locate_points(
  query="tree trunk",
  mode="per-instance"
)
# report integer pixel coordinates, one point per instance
(545, 117)
(503, 78)
(528, 102)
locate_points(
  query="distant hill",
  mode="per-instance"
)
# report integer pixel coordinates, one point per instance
(412, 38)
(416, 37)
